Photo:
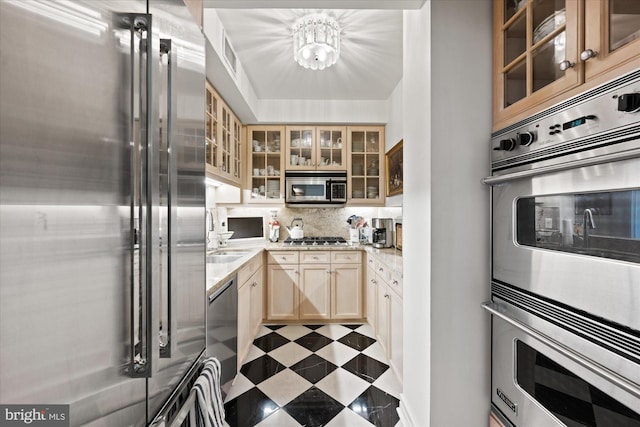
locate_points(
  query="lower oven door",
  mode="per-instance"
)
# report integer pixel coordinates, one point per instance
(543, 375)
(573, 236)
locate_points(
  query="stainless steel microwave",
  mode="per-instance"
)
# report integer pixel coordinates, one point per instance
(315, 187)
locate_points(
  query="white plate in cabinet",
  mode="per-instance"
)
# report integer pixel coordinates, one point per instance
(315, 257)
(346, 257)
(283, 257)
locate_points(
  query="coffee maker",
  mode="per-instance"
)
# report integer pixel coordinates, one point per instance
(382, 234)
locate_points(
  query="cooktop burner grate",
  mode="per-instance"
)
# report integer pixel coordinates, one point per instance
(316, 241)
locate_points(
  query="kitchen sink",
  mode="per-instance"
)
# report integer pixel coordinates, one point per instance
(221, 257)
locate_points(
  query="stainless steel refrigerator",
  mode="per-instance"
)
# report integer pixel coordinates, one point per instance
(102, 204)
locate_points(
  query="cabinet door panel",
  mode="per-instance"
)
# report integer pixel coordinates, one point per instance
(346, 291)
(395, 334)
(244, 327)
(315, 291)
(282, 295)
(372, 297)
(382, 316)
(255, 317)
(612, 33)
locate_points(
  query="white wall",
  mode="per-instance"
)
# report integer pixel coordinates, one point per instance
(393, 131)
(447, 111)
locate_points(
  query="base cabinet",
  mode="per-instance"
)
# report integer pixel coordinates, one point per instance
(346, 291)
(384, 301)
(315, 291)
(250, 305)
(282, 295)
(314, 285)
(372, 296)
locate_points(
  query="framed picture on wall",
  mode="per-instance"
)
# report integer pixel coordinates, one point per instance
(394, 170)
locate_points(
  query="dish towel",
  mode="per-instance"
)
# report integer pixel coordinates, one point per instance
(209, 405)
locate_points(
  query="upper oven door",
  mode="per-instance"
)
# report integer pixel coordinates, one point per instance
(573, 236)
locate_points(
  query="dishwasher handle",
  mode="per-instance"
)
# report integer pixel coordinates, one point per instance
(230, 282)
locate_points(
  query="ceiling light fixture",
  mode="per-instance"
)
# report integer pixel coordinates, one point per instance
(316, 41)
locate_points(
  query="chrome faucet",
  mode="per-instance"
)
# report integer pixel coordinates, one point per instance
(586, 223)
(210, 224)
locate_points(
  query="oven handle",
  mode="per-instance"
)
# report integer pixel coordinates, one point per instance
(607, 158)
(500, 310)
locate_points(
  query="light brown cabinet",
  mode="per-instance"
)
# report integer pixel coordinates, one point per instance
(223, 139)
(365, 171)
(548, 50)
(250, 305)
(314, 285)
(386, 303)
(316, 148)
(266, 163)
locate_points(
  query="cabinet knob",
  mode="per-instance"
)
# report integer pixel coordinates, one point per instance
(566, 64)
(386, 295)
(395, 282)
(588, 54)
(315, 257)
(380, 269)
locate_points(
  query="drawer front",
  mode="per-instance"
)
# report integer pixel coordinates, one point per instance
(283, 257)
(315, 257)
(346, 257)
(383, 271)
(395, 283)
(371, 261)
(249, 269)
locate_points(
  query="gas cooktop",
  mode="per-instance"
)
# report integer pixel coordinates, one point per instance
(316, 241)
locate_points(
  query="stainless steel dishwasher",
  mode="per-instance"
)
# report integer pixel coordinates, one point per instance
(222, 330)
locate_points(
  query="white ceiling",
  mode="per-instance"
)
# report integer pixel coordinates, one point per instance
(370, 63)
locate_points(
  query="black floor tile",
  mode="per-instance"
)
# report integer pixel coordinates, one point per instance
(275, 327)
(356, 341)
(313, 368)
(262, 368)
(249, 408)
(270, 342)
(313, 408)
(314, 327)
(376, 406)
(367, 368)
(353, 327)
(313, 341)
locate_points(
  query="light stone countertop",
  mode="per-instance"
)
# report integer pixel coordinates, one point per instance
(218, 274)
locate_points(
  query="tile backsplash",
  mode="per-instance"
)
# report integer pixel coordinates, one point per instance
(317, 221)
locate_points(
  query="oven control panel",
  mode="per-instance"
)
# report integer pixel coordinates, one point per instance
(600, 111)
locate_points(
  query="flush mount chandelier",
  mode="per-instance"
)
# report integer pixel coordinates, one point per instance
(316, 41)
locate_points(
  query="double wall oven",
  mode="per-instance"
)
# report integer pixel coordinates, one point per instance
(566, 262)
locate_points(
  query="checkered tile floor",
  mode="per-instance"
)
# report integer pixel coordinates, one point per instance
(314, 375)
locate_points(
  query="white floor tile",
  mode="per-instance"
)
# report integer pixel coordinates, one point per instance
(254, 353)
(280, 418)
(348, 418)
(342, 386)
(263, 331)
(333, 331)
(389, 383)
(241, 385)
(367, 330)
(290, 354)
(337, 353)
(293, 332)
(283, 387)
(375, 351)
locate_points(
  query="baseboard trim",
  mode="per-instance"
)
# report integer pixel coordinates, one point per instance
(406, 420)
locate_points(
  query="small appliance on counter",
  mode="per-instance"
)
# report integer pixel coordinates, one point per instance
(382, 233)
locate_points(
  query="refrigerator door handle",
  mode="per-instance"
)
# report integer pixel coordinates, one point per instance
(139, 360)
(168, 168)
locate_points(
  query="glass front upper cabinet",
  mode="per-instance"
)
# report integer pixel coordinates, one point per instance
(537, 37)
